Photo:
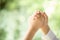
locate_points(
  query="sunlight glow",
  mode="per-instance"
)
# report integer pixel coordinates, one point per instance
(49, 7)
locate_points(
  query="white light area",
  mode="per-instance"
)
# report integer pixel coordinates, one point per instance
(10, 36)
(49, 10)
(21, 18)
(49, 7)
(11, 25)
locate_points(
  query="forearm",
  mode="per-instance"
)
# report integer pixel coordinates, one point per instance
(48, 34)
(30, 33)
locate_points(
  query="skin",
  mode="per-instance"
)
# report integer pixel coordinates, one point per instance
(39, 20)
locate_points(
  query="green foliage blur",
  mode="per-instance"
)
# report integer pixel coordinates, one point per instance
(14, 16)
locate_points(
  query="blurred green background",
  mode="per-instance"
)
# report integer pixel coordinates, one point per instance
(14, 16)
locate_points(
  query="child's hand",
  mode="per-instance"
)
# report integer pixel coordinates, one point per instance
(38, 20)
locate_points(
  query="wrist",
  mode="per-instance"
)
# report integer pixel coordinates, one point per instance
(50, 36)
(45, 29)
(34, 28)
(30, 33)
